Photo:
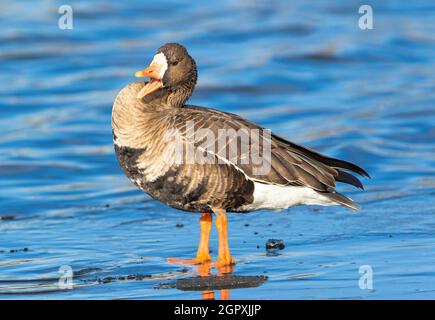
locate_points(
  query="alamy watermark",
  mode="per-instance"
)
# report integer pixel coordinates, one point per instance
(366, 279)
(365, 22)
(65, 21)
(66, 278)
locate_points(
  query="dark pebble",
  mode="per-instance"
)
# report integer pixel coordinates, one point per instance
(18, 250)
(123, 278)
(85, 271)
(275, 244)
(7, 218)
(108, 279)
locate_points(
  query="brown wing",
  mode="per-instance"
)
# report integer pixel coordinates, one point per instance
(288, 164)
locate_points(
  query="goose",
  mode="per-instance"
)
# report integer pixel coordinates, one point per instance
(174, 152)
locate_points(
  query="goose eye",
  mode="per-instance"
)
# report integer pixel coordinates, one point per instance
(174, 63)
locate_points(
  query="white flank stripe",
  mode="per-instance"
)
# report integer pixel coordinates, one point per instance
(273, 197)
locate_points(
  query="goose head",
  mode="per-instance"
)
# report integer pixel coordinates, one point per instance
(172, 71)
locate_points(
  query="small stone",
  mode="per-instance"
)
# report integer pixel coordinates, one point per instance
(275, 244)
(108, 279)
(18, 250)
(7, 218)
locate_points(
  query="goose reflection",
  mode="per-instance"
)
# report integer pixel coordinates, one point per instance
(223, 281)
(204, 270)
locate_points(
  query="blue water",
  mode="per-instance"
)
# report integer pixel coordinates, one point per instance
(301, 68)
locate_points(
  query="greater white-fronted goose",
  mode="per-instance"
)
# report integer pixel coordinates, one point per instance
(161, 143)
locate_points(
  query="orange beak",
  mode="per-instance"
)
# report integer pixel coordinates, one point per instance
(155, 82)
(151, 72)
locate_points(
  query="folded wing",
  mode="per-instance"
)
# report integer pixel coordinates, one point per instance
(288, 163)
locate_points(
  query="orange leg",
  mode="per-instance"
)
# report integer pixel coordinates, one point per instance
(224, 256)
(207, 295)
(203, 253)
(225, 294)
(226, 269)
(204, 269)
